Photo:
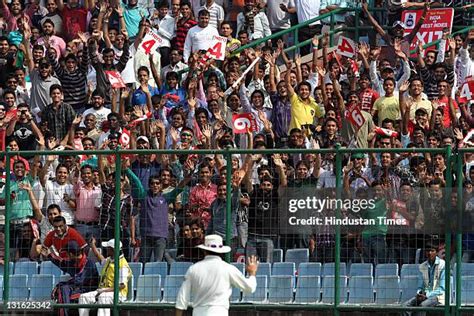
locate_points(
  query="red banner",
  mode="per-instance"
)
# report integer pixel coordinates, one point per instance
(242, 123)
(432, 29)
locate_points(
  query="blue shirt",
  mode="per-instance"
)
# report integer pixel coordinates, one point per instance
(144, 172)
(170, 103)
(217, 225)
(133, 16)
(154, 214)
(430, 292)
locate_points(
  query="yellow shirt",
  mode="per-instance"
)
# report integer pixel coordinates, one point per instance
(303, 113)
(107, 275)
(387, 107)
(232, 45)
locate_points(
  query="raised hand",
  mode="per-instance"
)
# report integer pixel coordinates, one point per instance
(315, 41)
(82, 37)
(364, 50)
(420, 49)
(103, 7)
(348, 168)
(119, 9)
(188, 167)
(458, 134)
(252, 265)
(125, 93)
(125, 34)
(277, 160)
(51, 143)
(25, 186)
(404, 86)
(174, 135)
(326, 39)
(298, 60)
(269, 59)
(41, 142)
(452, 43)
(138, 111)
(376, 52)
(207, 132)
(321, 71)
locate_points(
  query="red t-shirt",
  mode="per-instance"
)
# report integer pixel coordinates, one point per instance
(61, 242)
(74, 21)
(444, 103)
(367, 99)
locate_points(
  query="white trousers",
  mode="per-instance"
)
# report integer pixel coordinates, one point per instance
(210, 311)
(90, 298)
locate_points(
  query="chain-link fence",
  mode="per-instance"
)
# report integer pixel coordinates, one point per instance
(332, 230)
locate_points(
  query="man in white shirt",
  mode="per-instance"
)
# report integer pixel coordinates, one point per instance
(306, 10)
(278, 13)
(175, 65)
(59, 192)
(199, 37)
(209, 282)
(100, 112)
(216, 13)
(165, 26)
(254, 21)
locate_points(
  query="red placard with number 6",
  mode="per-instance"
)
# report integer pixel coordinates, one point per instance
(354, 115)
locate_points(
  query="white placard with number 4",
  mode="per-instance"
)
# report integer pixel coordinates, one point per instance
(217, 49)
(346, 47)
(151, 42)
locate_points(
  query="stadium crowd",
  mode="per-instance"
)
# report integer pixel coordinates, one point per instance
(84, 75)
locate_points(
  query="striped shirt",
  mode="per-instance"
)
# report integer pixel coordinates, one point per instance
(216, 13)
(73, 83)
(182, 29)
(430, 82)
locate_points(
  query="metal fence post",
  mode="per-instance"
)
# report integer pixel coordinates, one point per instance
(337, 250)
(295, 35)
(118, 173)
(357, 23)
(331, 34)
(449, 174)
(228, 187)
(6, 268)
(459, 179)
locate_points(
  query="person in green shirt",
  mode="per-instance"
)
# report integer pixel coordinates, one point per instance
(22, 204)
(374, 245)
